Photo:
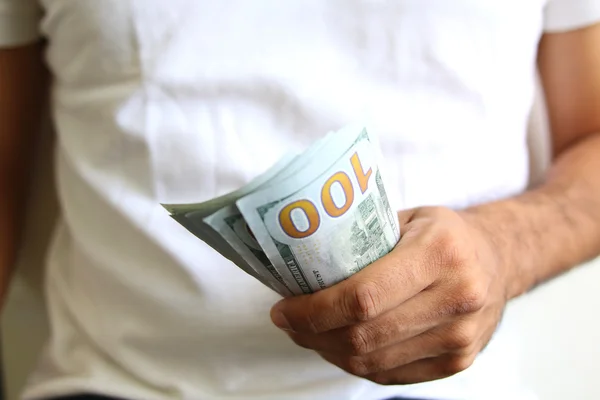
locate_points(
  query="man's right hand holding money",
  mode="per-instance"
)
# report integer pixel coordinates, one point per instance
(423, 312)
(428, 308)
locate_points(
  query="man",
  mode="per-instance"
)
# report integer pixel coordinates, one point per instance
(182, 101)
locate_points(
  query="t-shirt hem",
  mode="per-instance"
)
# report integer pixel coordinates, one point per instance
(46, 391)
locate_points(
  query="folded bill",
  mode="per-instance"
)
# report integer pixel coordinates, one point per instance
(308, 222)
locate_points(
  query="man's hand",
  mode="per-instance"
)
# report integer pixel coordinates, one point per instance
(422, 312)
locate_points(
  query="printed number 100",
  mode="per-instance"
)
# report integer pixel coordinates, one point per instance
(311, 212)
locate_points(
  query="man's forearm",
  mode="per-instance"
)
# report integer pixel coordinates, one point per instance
(552, 228)
(9, 232)
(22, 93)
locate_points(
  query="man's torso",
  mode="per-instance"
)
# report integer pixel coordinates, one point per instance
(183, 101)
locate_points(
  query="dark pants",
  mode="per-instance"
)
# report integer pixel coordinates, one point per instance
(85, 397)
(96, 397)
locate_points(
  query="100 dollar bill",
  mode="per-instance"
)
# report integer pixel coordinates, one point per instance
(192, 217)
(229, 223)
(329, 220)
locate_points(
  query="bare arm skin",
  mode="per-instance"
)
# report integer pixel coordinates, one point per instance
(557, 226)
(22, 95)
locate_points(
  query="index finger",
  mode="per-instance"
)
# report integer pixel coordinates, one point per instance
(378, 288)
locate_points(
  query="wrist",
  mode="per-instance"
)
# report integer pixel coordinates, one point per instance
(496, 225)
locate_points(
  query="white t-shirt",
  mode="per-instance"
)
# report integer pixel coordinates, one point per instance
(181, 101)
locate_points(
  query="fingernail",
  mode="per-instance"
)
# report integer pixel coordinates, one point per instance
(280, 321)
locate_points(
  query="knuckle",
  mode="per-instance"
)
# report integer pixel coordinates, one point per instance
(365, 302)
(356, 366)
(470, 298)
(443, 250)
(447, 246)
(461, 336)
(455, 365)
(358, 341)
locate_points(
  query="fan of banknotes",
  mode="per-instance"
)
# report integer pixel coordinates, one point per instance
(309, 222)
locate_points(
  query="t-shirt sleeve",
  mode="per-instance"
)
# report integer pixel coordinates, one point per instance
(565, 15)
(19, 22)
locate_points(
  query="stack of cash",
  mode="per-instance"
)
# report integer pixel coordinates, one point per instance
(309, 222)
